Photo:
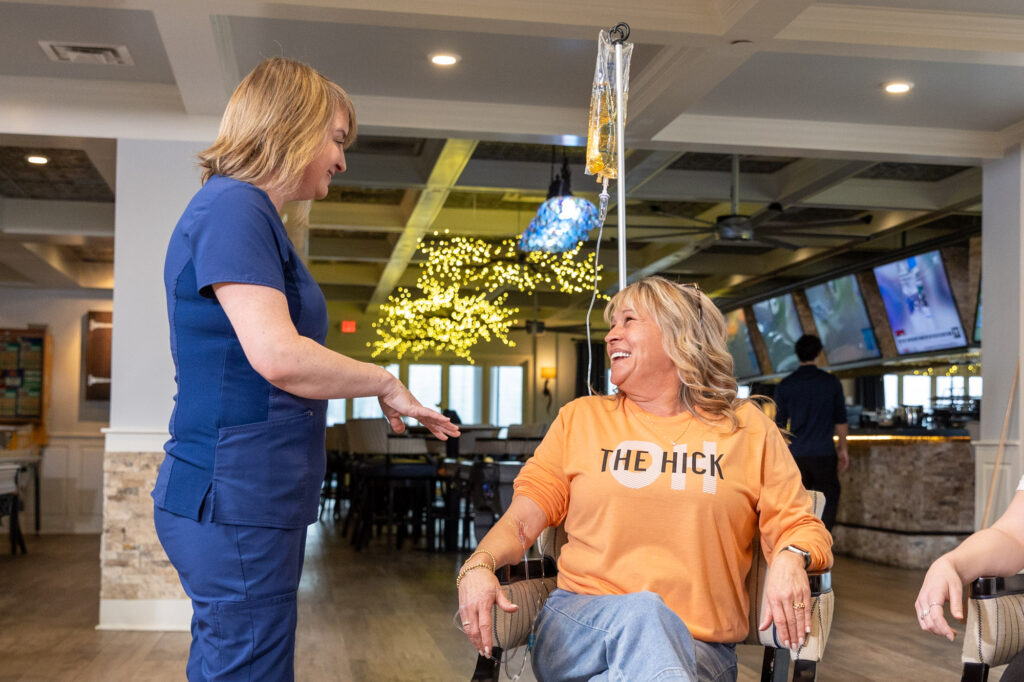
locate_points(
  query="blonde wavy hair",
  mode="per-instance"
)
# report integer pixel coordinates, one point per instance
(275, 124)
(693, 333)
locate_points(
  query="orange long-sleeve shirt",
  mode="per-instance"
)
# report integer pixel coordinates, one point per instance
(670, 505)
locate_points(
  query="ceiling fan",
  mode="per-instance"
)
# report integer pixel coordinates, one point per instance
(762, 228)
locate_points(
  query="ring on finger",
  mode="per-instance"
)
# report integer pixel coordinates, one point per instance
(799, 605)
(465, 623)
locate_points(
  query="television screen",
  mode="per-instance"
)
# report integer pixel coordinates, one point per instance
(742, 350)
(780, 327)
(977, 319)
(842, 321)
(919, 304)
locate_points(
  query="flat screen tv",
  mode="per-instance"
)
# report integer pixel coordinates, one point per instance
(842, 321)
(780, 327)
(920, 305)
(977, 319)
(742, 350)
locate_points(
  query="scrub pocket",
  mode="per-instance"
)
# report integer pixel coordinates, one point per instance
(268, 473)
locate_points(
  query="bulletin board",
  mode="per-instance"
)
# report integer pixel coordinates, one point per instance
(24, 365)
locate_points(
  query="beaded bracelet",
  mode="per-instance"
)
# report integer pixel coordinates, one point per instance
(494, 562)
(465, 570)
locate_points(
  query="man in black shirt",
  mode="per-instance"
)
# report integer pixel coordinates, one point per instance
(811, 406)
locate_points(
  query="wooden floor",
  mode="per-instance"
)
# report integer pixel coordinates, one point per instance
(385, 615)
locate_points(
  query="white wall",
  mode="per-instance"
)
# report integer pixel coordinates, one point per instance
(72, 473)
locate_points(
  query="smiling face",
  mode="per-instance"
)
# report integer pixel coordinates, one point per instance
(328, 161)
(640, 366)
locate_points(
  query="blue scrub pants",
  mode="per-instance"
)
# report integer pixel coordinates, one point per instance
(623, 638)
(243, 582)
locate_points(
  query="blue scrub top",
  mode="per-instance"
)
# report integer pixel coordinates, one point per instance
(252, 451)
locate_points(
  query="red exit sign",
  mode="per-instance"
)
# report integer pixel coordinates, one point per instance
(348, 326)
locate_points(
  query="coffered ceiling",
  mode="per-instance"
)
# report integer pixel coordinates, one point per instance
(790, 86)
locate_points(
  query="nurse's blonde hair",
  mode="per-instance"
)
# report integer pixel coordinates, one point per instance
(275, 124)
(694, 336)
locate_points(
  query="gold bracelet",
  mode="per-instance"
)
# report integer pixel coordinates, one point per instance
(465, 570)
(494, 562)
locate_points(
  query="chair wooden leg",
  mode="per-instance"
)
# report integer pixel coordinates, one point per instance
(17, 539)
(804, 671)
(488, 669)
(975, 672)
(775, 665)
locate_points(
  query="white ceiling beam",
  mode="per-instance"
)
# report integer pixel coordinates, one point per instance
(106, 109)
(805, 178)
(56, 218)
(349, 249)
(796, 137)
(200, 53)
(447, 169)
(958, 31)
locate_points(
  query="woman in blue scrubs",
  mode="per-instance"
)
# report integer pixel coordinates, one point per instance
(245, 460)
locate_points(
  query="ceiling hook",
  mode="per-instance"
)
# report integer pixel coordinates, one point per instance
(619, 33)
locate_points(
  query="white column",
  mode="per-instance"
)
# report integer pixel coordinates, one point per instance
(155, 181)
(1002, 334)
(138, 588)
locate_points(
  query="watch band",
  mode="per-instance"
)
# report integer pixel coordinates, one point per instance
(804, 553)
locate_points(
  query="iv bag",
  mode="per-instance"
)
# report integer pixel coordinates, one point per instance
(602, 136)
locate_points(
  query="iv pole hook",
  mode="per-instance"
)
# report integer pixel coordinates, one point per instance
(619, 33)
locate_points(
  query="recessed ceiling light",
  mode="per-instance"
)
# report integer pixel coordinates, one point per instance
(897, 87)
(37, 159)
(444, 59)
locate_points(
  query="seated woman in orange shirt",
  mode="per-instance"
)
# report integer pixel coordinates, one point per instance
(661, 488)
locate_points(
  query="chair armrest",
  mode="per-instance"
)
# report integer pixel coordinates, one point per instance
(988, 587)
(821, 609)
(524, 570)
(995, 620)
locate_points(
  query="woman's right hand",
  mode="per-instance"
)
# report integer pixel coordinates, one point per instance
(479, 590)
(941, 584)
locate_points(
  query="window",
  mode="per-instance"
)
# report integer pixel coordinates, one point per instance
(336, 411)
(891, 389)
(949, 388)
(917, 390)
(974, 387)
(425, 384)
(612, 388)
(369, 408)
(465, 390)
(506, 395)
(742, 391)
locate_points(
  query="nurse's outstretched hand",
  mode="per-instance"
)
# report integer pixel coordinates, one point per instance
(398, 401)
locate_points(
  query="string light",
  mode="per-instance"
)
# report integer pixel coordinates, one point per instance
(462, 294)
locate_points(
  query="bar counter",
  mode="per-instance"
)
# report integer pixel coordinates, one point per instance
(907, 497)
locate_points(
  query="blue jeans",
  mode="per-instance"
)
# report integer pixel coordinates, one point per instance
(243, 582)
(629, 638)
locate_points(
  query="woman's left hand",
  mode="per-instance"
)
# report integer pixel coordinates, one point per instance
(398, 401)
(788, 600)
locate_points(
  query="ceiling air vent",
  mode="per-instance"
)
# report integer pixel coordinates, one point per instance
(87, 53)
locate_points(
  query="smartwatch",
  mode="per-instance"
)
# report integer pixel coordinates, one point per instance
(805, 554)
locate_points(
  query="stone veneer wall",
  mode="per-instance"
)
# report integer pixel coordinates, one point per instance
(132, 562)
(905, 503)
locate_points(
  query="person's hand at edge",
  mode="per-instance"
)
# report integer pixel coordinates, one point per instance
(397, 401)
(941, 584)
(788, 600)
(478, 592)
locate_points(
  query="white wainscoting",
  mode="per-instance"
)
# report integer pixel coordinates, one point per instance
(72, 486)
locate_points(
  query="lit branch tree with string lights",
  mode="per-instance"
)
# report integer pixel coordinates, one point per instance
(462, 294)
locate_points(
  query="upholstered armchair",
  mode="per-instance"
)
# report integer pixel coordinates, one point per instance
(995, 625)
(529, 583)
